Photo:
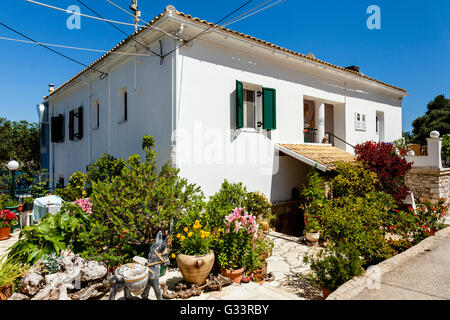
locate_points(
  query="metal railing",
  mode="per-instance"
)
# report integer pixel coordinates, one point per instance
(310, 135)
(331, 138)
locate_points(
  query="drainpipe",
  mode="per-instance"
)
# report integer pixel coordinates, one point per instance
(174, 64)
(109, 113)
(89, 113)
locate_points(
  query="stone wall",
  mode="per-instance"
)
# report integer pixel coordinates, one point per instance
(429, 182)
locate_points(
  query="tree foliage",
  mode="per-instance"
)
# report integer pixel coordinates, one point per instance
(437, 117)
(20, 141)
(381, 158)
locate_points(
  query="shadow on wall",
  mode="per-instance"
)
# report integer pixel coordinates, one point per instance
(286, 206)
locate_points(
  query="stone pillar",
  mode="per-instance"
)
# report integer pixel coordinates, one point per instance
(434, 151)
(320, 120)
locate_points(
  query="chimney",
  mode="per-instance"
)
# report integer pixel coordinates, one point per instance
(353, 68)
(51, 88)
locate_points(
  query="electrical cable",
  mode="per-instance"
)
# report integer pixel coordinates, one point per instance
(246, 12)
(206, 30)
(237, 19)
(117, 28)
(146, 23)
(54, 51)
(74, 48)
(81, 14)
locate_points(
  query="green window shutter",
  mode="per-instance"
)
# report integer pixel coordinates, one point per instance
(239, 104)
(269, 109)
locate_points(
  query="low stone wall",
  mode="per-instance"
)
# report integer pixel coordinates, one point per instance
(429, 182)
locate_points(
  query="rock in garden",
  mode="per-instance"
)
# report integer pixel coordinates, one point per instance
(19, 296)
(32, 282)
(93, 270)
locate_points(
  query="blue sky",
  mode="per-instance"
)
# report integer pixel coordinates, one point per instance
(411, 50)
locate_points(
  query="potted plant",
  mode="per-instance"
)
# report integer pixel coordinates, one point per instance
(241, 231)
(7, 220)
(9, 272)
(195, 258)
(333, 267)
(28, 204)
(312, 230)
(12, 205)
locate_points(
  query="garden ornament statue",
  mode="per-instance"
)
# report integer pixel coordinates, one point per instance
(157, 255)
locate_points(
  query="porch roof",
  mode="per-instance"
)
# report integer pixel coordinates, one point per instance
(323, 156)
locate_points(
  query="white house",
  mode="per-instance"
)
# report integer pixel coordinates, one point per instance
(222, 106)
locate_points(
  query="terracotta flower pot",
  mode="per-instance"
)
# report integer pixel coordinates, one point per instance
(325, 292)
(195, 269)
(234, 275)
(313, 236)
(5, 293)
(5, 233)
(20, 208)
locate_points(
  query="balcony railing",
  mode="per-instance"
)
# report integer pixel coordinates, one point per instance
(310, 135)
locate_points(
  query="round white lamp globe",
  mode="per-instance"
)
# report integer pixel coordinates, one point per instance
(434, 134)
(13, 165)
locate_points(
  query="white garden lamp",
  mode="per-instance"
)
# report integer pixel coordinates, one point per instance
(13, 166)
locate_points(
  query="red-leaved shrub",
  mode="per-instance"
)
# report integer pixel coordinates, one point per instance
(391, 168)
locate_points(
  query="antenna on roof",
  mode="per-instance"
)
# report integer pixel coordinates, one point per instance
(137, 14)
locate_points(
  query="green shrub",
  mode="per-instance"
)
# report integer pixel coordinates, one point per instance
(446, 147)
(334, 266)
(4, 198)
(313, 193)
(257, 204)
(53, 234)
(104, 168)
(358, 221)
(353, 179)
(229, 197)
(75, 189)
(129, 209)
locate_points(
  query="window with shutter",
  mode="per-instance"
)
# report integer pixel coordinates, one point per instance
(57, 130)
(239, 104)
(269, 109)
(71, 125)
(79, 115)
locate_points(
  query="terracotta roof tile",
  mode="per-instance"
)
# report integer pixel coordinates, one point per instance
(323, 154)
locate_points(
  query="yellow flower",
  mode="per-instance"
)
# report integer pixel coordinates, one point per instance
(207, 233)
(186, 229)
(178, 236)
(190, 234)
(203, 236)
(182, 238)
(173, 255)
(197, 222)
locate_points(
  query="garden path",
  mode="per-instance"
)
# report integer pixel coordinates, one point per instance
(6, 244)
(286, 264)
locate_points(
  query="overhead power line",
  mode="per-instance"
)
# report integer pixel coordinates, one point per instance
(213, 26)
(74, 48)
(54, 51)
(146, 23)
(252, 12)
(81, 14)
(117, 28)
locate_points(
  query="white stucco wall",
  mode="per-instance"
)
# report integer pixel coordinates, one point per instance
(206, 87)
(149, 112)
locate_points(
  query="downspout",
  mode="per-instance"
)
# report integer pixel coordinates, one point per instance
(89, 113)
(109, 114)
(174, 64)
